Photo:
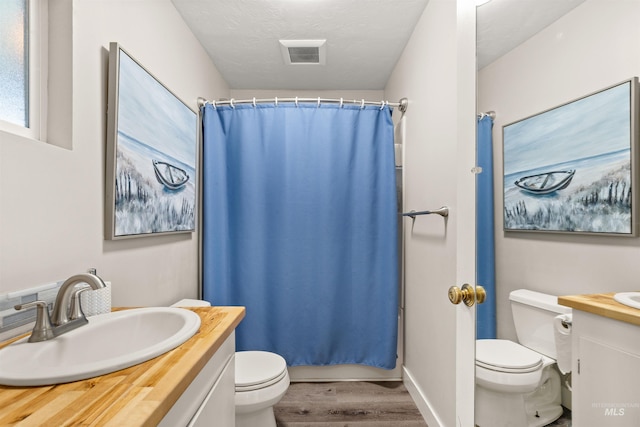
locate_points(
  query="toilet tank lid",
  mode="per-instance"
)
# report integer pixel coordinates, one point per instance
(191, 303)
(540, 300)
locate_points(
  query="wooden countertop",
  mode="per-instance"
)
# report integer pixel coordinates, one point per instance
(137, 396)
(602, 305)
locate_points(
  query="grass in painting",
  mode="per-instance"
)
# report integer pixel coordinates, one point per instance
(142, 208)
(603, 206)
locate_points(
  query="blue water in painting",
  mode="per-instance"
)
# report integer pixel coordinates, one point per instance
(133, 145)
(593, 166)
(564, 133)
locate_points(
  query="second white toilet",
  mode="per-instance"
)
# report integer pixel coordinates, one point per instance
(517, 384)
(261, 379)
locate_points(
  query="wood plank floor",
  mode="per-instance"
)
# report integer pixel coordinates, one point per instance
(348, 404)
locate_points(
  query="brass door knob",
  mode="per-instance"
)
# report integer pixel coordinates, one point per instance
(466, 295)
(481, 294)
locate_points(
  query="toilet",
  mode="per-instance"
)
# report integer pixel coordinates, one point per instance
(261, 381)
(517, 384)
(261, 378)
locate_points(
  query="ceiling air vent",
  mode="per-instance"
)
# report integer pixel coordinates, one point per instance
(303, 51)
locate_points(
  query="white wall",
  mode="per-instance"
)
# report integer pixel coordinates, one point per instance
(426, 75)
(51, 198)
(593, 47)
(367, 95)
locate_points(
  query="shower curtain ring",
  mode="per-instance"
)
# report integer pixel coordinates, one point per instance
(254, 102)
(276, 101)
(341, 102)
(381, 105)
(213, 103)
(231, 103)
(318, 102)
(296, 101)
(362, 105)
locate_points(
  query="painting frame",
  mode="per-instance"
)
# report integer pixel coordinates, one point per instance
(572, 169)
(151, 174)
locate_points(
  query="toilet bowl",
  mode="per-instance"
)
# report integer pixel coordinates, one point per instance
(517, 384)
(261, 380)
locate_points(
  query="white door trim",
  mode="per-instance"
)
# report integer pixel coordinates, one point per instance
(466, 201)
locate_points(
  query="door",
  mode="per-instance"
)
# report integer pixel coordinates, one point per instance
(437, 74)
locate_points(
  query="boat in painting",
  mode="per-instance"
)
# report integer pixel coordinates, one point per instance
(172, 177)
(545, 183)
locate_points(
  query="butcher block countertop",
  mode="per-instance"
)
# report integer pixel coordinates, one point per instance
(602, 305)
(137, 396)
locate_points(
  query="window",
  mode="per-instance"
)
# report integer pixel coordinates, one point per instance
(14, 62)
(21, 36)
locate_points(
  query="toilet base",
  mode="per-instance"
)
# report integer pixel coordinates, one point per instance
(255, 408)
(535, 409)
(263, 418)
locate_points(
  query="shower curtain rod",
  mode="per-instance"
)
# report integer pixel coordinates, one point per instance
(402, 105)
(491, 114)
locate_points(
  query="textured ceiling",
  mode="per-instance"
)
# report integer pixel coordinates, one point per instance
(504, 24)
(364, 38)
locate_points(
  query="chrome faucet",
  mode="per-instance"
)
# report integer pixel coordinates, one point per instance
(67, 313)
(61, 313)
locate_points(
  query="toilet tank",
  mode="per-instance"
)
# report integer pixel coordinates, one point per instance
(533, 314)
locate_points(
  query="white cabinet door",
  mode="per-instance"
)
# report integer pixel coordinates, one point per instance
(608, 391)
(218, 408)
(215, 383)
(605, 372)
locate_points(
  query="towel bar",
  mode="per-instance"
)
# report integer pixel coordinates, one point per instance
(443, 212)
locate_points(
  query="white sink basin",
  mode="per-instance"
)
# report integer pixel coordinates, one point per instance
(108, 343)
(631, 299)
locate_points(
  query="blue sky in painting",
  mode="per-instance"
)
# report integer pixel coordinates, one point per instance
(152, 115)
(590, 126)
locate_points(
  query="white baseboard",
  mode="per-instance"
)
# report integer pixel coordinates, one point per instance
(430, 416)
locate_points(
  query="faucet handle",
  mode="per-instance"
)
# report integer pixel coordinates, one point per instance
(42, 329)
(75, 307)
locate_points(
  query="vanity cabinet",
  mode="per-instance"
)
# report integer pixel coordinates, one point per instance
(209, 399)
(605, 371)
(192, 385)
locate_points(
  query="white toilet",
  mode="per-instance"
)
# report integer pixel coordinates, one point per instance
(262, 379)
(517, 384)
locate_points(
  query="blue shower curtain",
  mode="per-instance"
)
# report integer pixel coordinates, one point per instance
(299, 226)
(485, 246)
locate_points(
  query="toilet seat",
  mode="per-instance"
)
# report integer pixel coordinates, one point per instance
(256, 370)
(506, 356)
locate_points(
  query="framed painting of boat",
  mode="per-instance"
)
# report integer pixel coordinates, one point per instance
(572, 168)
(151, 154)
